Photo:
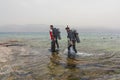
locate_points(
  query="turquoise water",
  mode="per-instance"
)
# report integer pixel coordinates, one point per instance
(98, 58)
(23, 34)
(90, 41)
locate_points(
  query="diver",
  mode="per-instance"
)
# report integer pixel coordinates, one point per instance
(54, 35)
(72, 37)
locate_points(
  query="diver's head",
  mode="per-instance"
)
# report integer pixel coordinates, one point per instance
(51, 26)
(67, 28)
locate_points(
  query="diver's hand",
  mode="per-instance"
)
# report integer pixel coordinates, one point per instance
(71, 42)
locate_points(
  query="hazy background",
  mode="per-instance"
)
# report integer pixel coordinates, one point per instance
(37, 15)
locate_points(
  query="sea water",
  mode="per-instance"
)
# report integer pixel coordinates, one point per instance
(98, 57)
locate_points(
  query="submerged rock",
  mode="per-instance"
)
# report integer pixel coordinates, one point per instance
(4, 53)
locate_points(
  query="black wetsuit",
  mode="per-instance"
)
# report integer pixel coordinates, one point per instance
(54, 41)
(55, 33)
(71, 38)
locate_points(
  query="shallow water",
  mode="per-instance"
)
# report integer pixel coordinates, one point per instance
(98, 58)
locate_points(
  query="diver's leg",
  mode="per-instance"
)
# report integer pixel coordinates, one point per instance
(69, 53)
(74, 47)
(57, 43)
(53, 46)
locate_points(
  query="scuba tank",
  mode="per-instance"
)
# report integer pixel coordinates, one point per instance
(76, 36)
(58, 34)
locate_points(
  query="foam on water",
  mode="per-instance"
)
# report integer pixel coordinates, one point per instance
(84, 54)
(79, 53)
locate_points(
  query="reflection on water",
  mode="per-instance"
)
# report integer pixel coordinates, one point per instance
(62, 70)
(70, 63)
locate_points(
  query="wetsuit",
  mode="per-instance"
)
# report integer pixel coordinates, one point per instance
(52, 41)
(71, 42)
(55, 34)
